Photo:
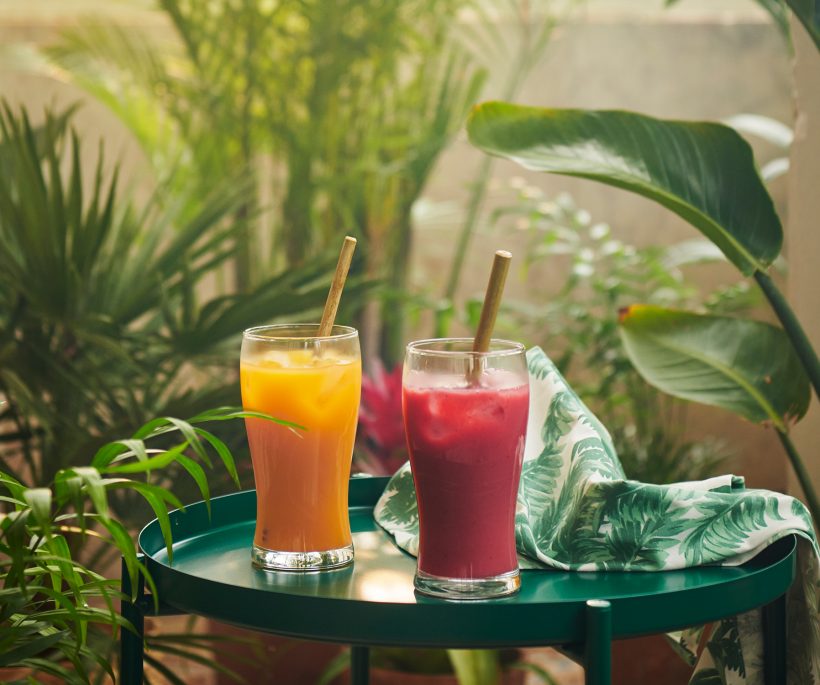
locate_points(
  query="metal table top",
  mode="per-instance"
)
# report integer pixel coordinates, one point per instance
(373, 602)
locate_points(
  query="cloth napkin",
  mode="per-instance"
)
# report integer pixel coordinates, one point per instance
(577, 511)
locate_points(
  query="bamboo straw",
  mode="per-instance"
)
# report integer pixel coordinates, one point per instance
(492, 300)
(336, 287)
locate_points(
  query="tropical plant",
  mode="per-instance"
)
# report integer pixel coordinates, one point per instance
(102, 325)
(705, 173)
(57, 615)
(578, 325)
(338, 111)
(102, 321)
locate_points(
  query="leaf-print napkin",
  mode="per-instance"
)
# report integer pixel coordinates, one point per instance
(577, 511)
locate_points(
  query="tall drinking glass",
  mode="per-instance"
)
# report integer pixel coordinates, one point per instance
(301, 476)
(465, 414)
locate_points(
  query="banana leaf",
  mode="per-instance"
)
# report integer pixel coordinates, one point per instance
(702, 171)
(747, 367)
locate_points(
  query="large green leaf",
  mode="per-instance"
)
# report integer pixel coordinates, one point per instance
(747, 367)
(702, 171)
(808, 12)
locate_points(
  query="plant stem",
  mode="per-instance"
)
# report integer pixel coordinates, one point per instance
(468, 227)
(525, 59)
(475, 666)
(393, 311)
(803, 476)
(245, 236)
(802, 345)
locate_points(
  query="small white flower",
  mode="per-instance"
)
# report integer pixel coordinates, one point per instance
(583, 269)
(599, 231)
(610, 247)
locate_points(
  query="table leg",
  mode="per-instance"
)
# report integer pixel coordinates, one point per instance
(359, 665)
(774, 641)
(131, 645)
(598, 661)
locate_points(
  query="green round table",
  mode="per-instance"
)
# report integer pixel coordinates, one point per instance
(372, 602)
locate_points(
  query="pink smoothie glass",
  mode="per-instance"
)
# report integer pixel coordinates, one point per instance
(465, 414)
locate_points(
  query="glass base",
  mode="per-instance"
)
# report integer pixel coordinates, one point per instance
(273, 560)
(468, 588)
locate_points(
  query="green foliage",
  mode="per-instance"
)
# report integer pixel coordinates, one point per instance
(337, 111)
(703, 172)
(55, 611)
(745, 366)
(724, 199)
(808, 12)
(101, 317)
(578, 325)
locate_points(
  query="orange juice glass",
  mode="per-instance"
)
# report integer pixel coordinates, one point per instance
(301, 476)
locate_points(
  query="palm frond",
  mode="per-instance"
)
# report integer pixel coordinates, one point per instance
(50, 600)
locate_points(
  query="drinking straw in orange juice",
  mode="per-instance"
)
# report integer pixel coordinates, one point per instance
(309, 375)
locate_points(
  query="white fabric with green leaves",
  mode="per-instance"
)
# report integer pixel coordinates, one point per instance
(577, 511)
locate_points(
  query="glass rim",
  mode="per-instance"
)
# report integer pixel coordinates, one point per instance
(259, 333)
(509, 348)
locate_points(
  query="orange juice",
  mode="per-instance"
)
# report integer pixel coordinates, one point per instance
(302, 475)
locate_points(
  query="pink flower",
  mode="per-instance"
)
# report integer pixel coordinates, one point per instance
(380, 440)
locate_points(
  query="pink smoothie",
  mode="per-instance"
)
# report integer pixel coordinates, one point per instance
(466, 447)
